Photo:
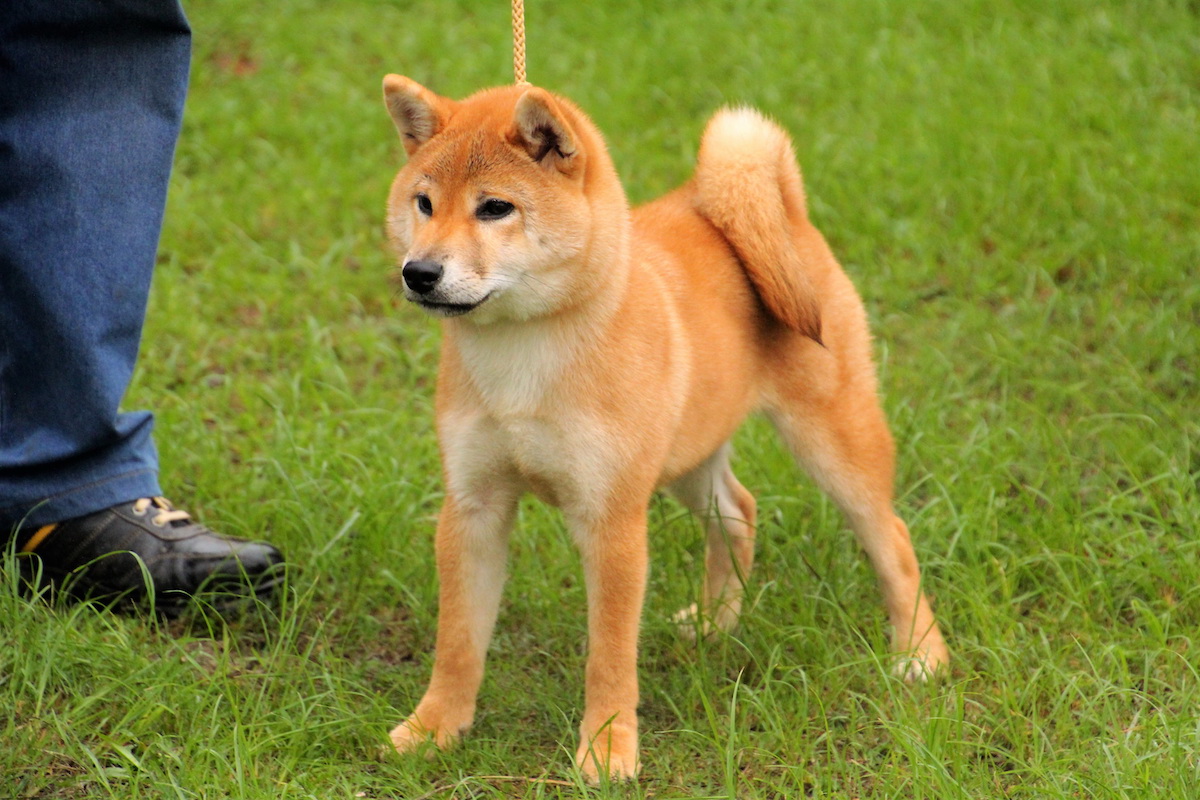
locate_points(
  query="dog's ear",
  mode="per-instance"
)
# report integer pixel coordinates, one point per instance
(419, 114)
(542, 130)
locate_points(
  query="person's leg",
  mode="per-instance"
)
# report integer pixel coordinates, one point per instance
(91, 98)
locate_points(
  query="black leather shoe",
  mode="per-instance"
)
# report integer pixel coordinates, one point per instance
(147, 550)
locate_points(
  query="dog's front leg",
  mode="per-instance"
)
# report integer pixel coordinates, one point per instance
(614, 563)
(471, 555)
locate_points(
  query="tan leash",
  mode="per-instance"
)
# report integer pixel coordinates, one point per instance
(518, 25)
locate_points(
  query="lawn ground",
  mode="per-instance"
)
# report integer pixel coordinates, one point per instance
(1013, 186)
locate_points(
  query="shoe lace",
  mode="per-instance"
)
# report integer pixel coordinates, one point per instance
(166, 512)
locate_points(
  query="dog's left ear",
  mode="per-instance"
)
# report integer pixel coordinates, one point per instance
(541, 129)
(419, 114)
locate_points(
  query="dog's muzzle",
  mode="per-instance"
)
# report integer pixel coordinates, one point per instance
(423, 279)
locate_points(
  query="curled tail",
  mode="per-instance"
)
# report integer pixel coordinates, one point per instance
(748, 184)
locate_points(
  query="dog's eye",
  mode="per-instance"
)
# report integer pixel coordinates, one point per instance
(494, 209)
(424, 205)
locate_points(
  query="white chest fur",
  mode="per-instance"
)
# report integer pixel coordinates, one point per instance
(568, 460)
(526, 428)
(515, 366)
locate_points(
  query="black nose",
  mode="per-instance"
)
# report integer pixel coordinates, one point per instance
(422, 276)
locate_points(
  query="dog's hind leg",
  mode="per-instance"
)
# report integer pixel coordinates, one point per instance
(844, 443)
(728, 510)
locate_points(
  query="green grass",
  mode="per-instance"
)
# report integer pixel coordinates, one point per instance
(1013, 185)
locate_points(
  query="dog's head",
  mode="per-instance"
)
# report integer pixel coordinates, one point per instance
(508, 204)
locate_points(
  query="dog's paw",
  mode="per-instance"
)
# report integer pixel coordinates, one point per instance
(411, 736)
(923, 664)
(694, 625)
(619, 761)
(691, 624)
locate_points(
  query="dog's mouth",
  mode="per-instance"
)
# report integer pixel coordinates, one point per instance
(449, 309)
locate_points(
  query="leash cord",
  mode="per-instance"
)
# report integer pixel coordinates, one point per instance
(518, 26)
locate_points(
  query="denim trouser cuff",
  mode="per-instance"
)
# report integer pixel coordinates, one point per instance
(91, 99)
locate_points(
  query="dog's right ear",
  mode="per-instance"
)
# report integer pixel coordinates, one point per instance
(541, 129)
(419, 114)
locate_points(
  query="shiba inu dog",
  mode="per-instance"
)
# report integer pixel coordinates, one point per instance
(593, 355)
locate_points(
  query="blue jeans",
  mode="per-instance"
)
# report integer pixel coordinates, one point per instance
(91, 98)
